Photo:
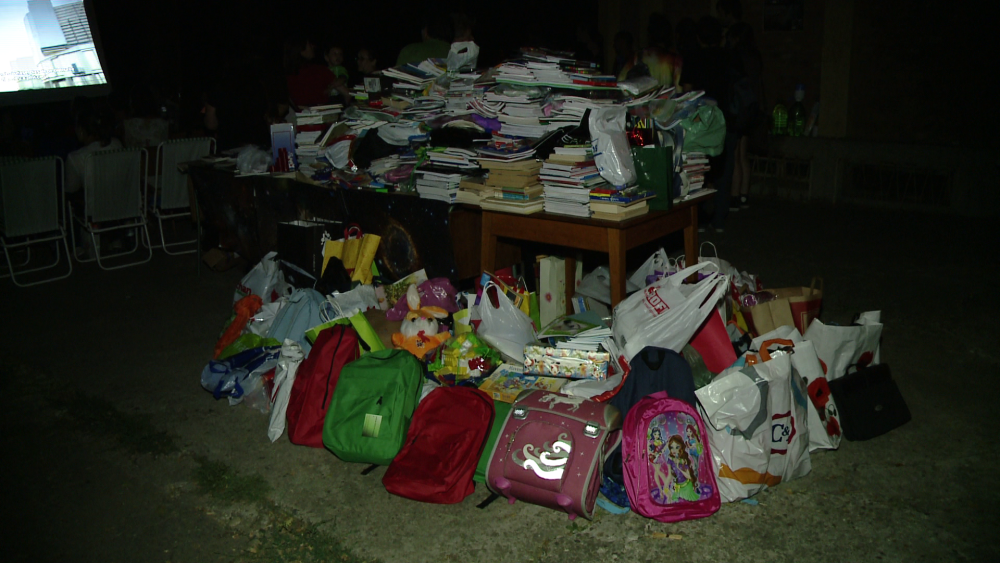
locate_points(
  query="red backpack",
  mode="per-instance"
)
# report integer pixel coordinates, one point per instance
(314, 383)
(443, 446)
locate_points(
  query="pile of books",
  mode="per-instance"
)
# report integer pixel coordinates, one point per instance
(694, 167)
(515, 186)
(472, 190)
(579, 331)
(612, 204)
(317, 115)
(451, 157)
(414, 78)
(522, 109)
(438, 186)
(568, 176)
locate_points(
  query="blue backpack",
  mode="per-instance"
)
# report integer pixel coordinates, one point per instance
(300, 314)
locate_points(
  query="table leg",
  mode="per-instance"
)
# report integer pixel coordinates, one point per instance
(616, 256)
(570, 283)
(691, 241)
(488, 256)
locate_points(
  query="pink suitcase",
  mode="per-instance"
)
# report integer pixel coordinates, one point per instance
(551, 449)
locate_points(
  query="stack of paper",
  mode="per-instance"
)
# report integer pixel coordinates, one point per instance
(460, 159)
(438, 186)
(695, 167)
(523, 108)
(318, 115)
(579, 331)
(516, 181)
(568, 176)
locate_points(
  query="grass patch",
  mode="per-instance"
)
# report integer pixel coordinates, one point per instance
(134, 432)
(220, 481)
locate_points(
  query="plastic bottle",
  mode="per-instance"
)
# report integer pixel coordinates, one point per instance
(797, 115)
(780, 119)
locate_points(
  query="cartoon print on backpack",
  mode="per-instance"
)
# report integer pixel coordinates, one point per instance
(676, 462)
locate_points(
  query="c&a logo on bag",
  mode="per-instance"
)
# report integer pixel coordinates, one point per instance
(654, 302)
(782, 432)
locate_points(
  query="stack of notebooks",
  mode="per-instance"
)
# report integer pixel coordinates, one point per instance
(450, 157)
(310, 144)
(579, 331)
(515, 186)
(472, 190)
(569, 110)
(612, 211)
(612, 204)
(522, 110)
(438, 186)
(568, 176)
(414, 78)
(318, 115)
(694, 168)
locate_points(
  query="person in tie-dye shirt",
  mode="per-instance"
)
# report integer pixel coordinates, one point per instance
(658, 60)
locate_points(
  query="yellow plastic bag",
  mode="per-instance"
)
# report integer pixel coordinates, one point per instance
(356, 250)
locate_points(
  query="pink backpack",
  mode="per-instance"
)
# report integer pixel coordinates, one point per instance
(667, 462)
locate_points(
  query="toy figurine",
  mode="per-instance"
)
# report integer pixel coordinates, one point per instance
(418, 334)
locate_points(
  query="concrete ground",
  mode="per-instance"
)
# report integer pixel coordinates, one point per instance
(113, 452)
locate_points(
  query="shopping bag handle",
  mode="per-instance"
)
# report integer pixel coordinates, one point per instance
(353, 229)
(710, 244)
(765, 354)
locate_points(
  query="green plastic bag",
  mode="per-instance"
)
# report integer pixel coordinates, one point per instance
(360, 323)
(372, 405)
(705, 131)
(246, 342)
(653, 169)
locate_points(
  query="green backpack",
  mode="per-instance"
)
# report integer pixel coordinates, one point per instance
(372, 405)
(499, 419)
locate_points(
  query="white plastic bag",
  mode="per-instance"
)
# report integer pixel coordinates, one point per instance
(284, 378)
(505, 327)
(265, 280)
(839, 347)
(734, 408)
(611, 151)
(758, 429)
(667, 313)
(657, 262)
(261, 321)
(462, 55)
(824, 420)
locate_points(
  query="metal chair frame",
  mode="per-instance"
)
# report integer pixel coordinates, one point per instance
(101, 207)
(24, 236)
(167, 182)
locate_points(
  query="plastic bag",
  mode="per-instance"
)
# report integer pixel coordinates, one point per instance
(284, 378)
(705, 131)
(462, 55)
(658, 264)
(264, 280)
(260, 323)
(611, 150)
(597, 285)
(253, 160)
(840, 347)
(667, 313)
(504, 326)
(232, 377)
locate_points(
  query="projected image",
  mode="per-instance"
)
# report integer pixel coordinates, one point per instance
(46, 44)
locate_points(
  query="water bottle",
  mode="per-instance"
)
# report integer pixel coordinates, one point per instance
(798, 113)
(780, 119)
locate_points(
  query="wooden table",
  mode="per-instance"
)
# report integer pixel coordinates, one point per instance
(612, 237)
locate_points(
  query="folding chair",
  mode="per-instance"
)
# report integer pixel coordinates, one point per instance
(114, 196)
(170, 188)
(31, 205)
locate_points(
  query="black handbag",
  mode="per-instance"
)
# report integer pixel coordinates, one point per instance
(869, 403)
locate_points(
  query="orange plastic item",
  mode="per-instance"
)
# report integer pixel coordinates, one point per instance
(245, 309)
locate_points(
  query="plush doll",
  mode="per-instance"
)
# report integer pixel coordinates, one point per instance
(418, 334)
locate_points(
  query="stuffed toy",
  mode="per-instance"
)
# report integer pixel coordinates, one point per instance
(419, 334)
